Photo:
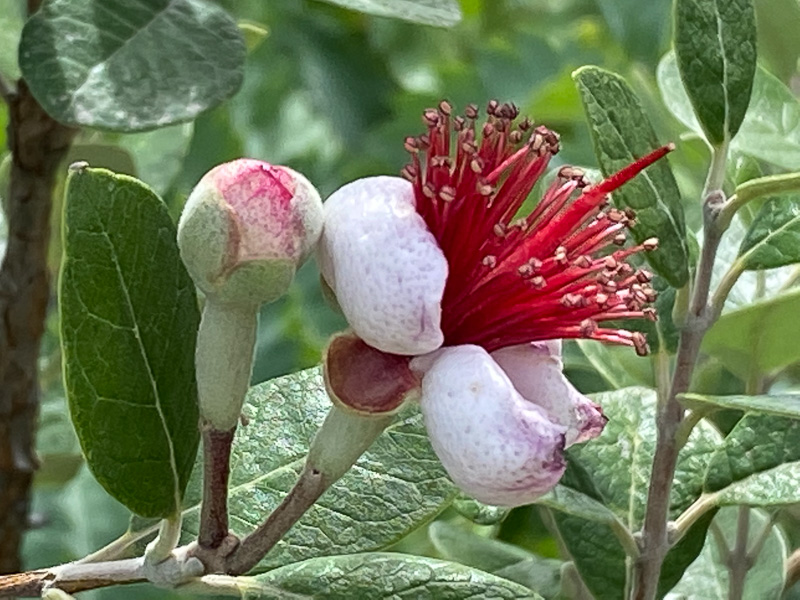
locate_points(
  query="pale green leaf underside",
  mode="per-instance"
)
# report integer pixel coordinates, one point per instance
(130, 66)
(454, 543)
(783, 405)
(758, 338)
(621, 133)
(386, 576)
(394, 488)
(442, 13)
(776, 486)
(708, 577)
(129, 320)
(771, 128)
(715, 45)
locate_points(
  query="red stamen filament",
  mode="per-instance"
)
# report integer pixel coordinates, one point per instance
(546, 276)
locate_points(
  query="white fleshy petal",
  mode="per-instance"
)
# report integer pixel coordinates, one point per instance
(496, 446)
(536, 372)
(384, 265)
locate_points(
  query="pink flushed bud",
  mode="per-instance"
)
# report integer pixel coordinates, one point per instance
(246, 228)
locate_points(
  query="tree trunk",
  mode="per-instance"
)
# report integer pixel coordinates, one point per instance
(38, 145)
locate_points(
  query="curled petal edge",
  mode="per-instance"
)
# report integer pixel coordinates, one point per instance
(496, 446)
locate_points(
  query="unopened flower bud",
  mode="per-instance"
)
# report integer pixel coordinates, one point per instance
(246, 228)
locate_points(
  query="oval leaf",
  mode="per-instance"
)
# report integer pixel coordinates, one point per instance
(400, 474)
(757, 443)
(758, 338)
(376, 576)
(130, 66)
(773, 239)
(542, 575)
(442, 13)
(621, 133)
(715, 43)
(771, 127)
(129, 320)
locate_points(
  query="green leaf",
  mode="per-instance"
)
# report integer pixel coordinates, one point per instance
(440, 13)
(129, 320)
(57, 446)
(757, 443)
(12, 18)
(617, 365)
(783, 405)
(622, 133)
(759, 338)
(478, 512)
(771, 127)
(619, 464)
(572, 502)
(778, 46)
(639, 26)
(125, 66)
(773, 239)
(715, 44)
(158, 155)
(777, 486)
(543, 575)
(376, 576)
(709, 578)
(400, 474)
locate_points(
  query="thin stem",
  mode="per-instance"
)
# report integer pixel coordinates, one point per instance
(169, 534)
(216, 469)
(342, 439)
(763, 536)
(692, 514)
(739, 561)
(111, 551)
(725, 286)
(655, 538)
(690, 421)
(792, 570)
(309, 487)
(758, 188)
(73, 577)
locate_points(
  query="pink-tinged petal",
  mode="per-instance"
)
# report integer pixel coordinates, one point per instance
(495, 445)
(384, 266)
(536, 373)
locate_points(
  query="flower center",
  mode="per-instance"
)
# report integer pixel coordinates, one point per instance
(559, 272)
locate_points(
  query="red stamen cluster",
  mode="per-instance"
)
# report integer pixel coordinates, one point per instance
(544, 276)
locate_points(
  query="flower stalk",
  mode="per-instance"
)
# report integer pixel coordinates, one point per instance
(341, 440)
(656, 541)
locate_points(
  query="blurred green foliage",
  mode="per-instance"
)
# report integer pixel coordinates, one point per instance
(333, 93)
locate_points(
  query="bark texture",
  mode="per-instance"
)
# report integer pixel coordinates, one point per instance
(38, 144)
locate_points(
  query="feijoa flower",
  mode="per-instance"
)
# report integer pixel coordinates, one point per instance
(439, 267)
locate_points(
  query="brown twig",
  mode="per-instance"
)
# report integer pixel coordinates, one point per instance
(309, 487)
(216, 468)
(37, 144)
(72, 578)
(655, 539)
